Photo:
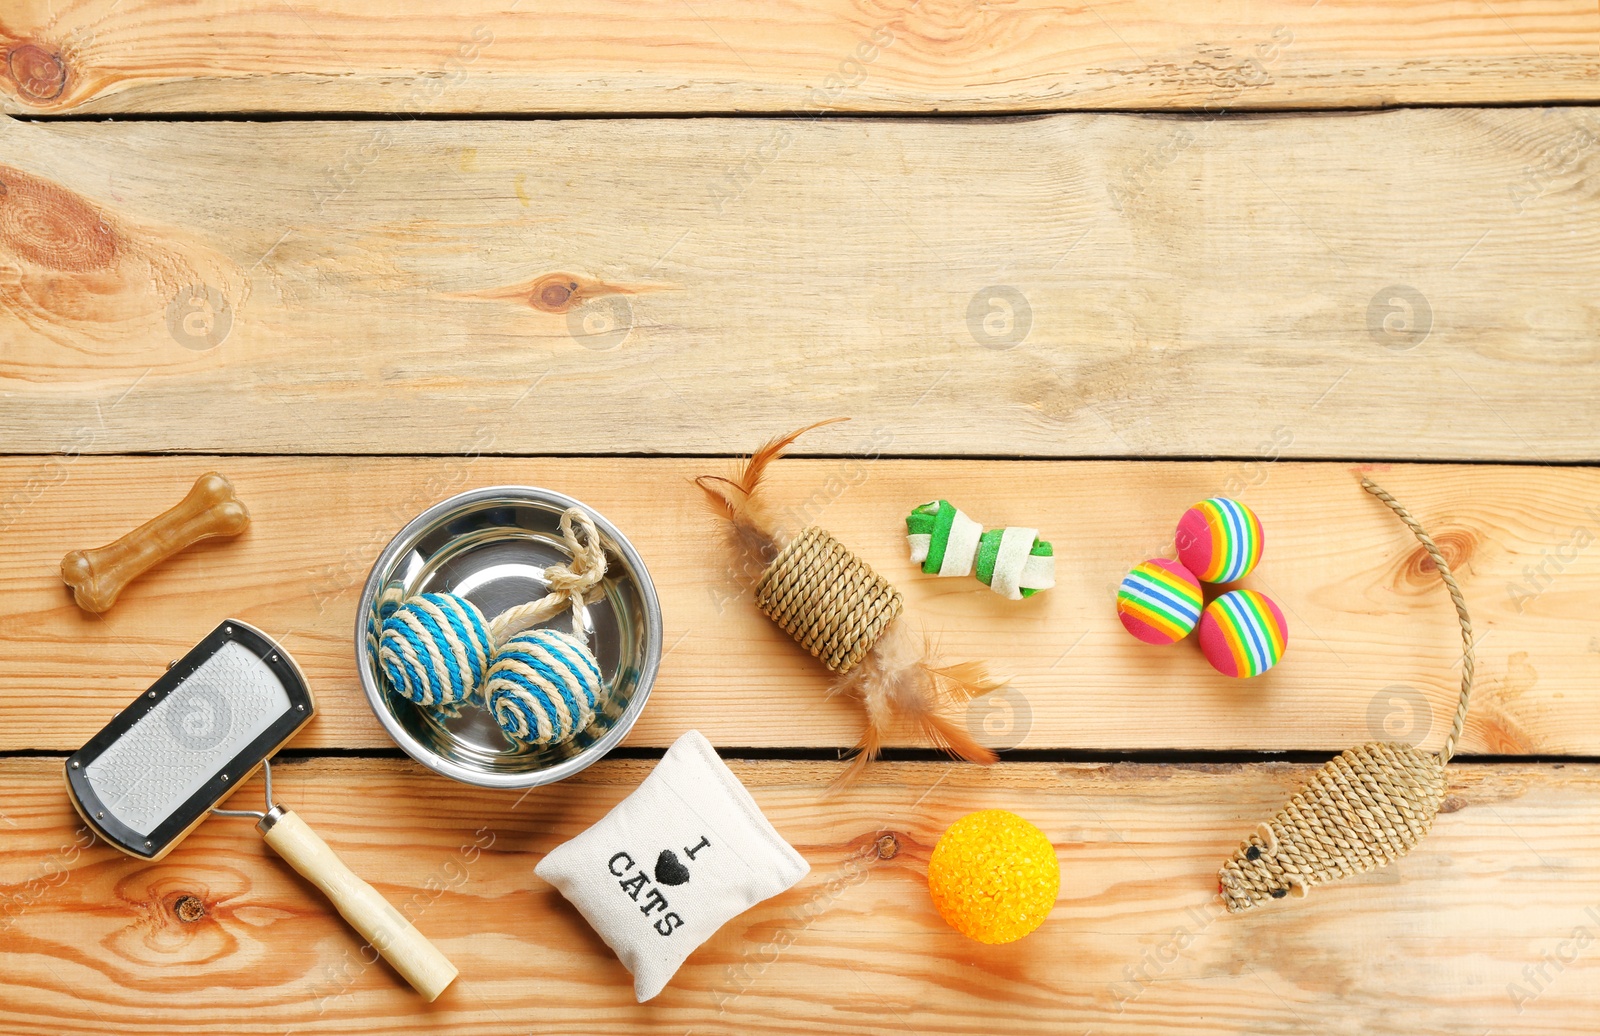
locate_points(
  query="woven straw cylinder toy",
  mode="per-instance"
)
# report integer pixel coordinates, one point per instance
(1362, 810)
(831, 602)
(845, 614)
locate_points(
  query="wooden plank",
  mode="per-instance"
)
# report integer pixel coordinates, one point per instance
(1490, 925)
(1373, 638)
(1286, 286)
(746, 55)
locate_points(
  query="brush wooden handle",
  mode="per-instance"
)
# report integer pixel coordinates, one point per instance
(98, 576)
(417, 960)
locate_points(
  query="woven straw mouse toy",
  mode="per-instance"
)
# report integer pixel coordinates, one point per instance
(1362, 810)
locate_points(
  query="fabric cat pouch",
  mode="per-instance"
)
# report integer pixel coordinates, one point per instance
(677, 859)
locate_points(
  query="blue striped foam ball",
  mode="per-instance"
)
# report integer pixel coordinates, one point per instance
(434, 649)
(543, 687)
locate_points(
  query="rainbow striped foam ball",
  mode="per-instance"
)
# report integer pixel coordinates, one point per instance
(1219, 540)
(543, 687)
(1242, 633)
(1159, 601)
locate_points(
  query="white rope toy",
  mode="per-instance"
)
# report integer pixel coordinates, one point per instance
(1013, 562)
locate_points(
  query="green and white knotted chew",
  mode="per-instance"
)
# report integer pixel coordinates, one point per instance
(1013, 562)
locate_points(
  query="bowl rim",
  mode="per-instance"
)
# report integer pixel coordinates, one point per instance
(648, 668)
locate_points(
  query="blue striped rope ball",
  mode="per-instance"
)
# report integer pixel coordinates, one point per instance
(384, 606)
(434, 649)
(543, 687)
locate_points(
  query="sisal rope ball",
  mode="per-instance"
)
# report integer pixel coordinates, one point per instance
(543, 687)
(434, 649)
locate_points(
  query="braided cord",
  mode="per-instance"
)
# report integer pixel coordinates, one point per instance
(1449, 748)
(570, 586)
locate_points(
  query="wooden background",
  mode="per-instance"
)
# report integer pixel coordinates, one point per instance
(1069, 266)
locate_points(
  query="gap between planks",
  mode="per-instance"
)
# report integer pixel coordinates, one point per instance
(798, 451)
(1191, 112)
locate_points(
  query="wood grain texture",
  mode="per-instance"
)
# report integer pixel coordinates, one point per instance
(222, 935)
(1414, 284)
(750, 55)
(1373, 639)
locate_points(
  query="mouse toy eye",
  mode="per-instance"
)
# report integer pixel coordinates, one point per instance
(1279, 893)
(1253, 853)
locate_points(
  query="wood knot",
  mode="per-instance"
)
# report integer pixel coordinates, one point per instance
(554, 293)
(47, 225)
(40, 75)
(888, 846)
(1452, 804)
(189, 909)
(1457, 546)
(565, 292)
(560, 293)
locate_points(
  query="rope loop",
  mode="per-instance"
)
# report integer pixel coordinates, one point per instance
(571, 585)
(1462, 617)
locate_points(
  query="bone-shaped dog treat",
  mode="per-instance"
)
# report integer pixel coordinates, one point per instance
(98, 576)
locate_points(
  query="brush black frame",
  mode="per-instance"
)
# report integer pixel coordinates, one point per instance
(171, 830)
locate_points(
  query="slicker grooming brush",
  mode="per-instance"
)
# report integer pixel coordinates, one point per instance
(204, 728)
(1362, 810)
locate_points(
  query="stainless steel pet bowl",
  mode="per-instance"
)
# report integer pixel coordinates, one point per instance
(491, 546)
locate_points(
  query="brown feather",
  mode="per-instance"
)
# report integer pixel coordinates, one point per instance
(897, 683)
(750, 534)
(967, 680)
(718, 498)
(866, 750)
(753, 547)
(954, 738)
(754, 470)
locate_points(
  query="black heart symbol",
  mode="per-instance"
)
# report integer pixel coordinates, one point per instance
(669, 870)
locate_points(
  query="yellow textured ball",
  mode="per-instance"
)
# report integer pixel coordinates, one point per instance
(994, 876)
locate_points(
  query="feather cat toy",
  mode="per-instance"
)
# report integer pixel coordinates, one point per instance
(836, 607)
